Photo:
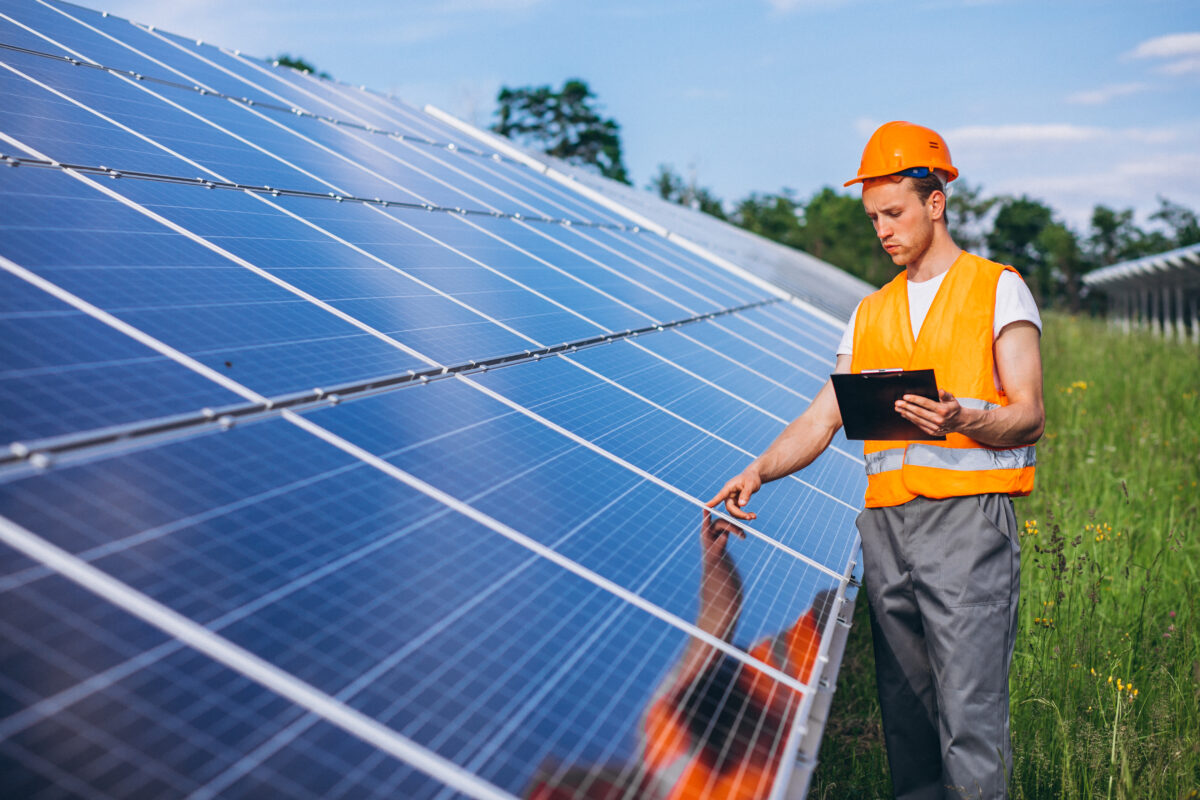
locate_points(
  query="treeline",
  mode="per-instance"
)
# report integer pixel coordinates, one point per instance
(1021, 231)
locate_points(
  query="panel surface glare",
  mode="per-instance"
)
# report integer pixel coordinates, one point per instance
(342, 456)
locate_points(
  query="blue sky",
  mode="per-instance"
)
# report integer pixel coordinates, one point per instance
(1074, 103)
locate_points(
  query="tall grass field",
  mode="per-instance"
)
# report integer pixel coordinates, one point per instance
(1106, 675)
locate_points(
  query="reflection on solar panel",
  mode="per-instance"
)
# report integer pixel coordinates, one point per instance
(352, 459)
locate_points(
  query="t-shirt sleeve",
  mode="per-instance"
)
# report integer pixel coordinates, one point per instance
(846, 346)
(1014, 303)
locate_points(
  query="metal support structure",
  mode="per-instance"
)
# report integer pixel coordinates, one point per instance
(1195, 321)
(1180, 323)
(1158, 293)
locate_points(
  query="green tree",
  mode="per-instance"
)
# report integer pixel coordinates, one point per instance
(829, 225)
(565, 124)
(671, 186)
(1013, 240)
(295, 62)
(773, 216)
(1181, 223)
(834, 228)
(1064, 259)
(967, 213)
(1114, 236)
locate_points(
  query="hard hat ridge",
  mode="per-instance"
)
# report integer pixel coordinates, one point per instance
(897, 146)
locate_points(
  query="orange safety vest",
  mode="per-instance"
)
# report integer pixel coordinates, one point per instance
(956, 342)
(671, 753)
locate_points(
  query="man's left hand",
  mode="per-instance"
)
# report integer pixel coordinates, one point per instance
(935, 418)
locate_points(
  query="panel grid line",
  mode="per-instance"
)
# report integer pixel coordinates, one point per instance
(28, 716)
(384, 337)
(277, 191)
(183, 424)
(245, 663)
(489, 233)
(287, 735)
(520, 538)
(263, 273)
(492, 689)
(600, 264)
(640, 220)
(291, 111)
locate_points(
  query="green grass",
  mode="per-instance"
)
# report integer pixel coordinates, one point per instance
(1110, 546)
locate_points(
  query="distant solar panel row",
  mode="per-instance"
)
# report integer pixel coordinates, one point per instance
(348, 459)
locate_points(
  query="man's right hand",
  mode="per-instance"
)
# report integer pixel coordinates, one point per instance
(736, 493)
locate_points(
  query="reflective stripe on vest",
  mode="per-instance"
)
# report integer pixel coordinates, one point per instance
(967, 459)
(884, 460)
(974, 459)
(981, 405)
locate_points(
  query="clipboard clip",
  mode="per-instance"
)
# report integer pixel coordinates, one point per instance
(881, 373)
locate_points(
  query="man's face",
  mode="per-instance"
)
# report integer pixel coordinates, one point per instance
(902, 222)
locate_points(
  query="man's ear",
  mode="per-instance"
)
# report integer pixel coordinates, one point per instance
(936, 205)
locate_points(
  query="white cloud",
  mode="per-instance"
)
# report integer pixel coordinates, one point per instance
(1170, 46)
(1118, 167)
(975, 136)
(1181, 50)
(1105, 94)
(787, 6)
(1022, 134)
(1182, 66)
(865, 126)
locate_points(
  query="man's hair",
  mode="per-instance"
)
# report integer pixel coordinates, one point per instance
(924, 187)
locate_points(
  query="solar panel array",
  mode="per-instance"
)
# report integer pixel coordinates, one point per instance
(819, 284)
(351, 459)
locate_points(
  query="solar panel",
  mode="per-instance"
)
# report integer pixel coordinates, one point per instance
(818, 283)
(351, 457)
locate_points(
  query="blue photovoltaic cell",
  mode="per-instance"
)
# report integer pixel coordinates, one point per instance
(814, 357)
(65, 372)
(764, 354)
(624, 528)
(69, 133)
(687, 458)
(813, 334)
(838, 471)
(784, 399)
(205, 305)
(239, 162)
(338, 579)
(508, 569)
(161, 729)
(728, 416)
(640, 297)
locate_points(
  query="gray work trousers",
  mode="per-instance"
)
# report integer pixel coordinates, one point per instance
(942, 579)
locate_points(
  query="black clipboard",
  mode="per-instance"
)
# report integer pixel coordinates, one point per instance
(868, 403)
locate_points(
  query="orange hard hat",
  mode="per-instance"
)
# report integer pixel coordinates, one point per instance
(902, 147)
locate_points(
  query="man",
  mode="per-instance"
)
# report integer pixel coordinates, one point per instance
(940, 554)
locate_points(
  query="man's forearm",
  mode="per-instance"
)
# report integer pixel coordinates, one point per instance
(794, 449)
(1007, 426)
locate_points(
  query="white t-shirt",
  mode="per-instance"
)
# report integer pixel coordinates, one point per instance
(1014, 303)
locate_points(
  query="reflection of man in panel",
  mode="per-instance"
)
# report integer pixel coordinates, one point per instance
(939, 536)
(716, 727)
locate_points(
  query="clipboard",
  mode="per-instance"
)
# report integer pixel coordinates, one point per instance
(868, 403)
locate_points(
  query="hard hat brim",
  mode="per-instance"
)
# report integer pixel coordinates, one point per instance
(951, 174)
